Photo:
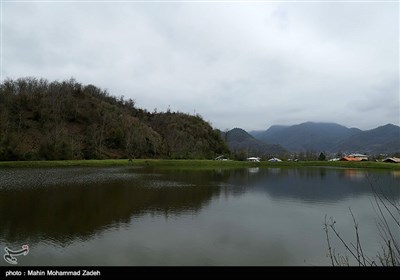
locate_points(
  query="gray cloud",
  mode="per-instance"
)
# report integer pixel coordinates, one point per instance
(246, 65)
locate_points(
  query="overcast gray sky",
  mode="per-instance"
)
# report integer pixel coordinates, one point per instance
(248, 65)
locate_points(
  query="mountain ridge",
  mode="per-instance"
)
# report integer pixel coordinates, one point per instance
(383, 139)
(332, 137)
(240, 141)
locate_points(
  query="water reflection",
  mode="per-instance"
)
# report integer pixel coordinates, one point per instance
(65, 204)
(354, 174)
(274, 170)
(253, 169)
(315, 185)
(64, 212)
(396, 174)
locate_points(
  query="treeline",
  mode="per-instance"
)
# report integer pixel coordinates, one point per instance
(42, 120)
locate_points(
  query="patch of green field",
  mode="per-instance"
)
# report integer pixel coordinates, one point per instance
(196, 164)
(343, 164)
(135, 162)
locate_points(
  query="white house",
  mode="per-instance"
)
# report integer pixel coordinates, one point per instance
(253, 159)
(274, 159)
(221, 158)
(392, 159)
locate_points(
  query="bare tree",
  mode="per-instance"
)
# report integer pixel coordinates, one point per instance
(388, 223)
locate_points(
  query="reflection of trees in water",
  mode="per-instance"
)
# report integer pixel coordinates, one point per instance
(62, 213)
(314, 184)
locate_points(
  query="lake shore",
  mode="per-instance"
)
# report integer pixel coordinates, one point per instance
(197, 164)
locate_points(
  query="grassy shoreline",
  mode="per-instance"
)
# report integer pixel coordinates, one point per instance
(198, 164)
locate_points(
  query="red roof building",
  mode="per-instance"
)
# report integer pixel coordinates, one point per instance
(350, 159)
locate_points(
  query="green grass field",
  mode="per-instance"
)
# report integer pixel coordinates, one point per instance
(197, 164)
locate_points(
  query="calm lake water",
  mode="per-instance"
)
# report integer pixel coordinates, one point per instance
(146, 216)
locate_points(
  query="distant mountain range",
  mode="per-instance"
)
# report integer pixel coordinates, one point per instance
(381, 140)
(330, 137)
(239, 140)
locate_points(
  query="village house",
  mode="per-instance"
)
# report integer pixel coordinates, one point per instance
(392, 160)
(355, 157)
(253, 159)
(360, 156)
(274, 159)
(221, 158)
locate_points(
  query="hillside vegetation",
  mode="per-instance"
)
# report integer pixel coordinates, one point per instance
(42, 120)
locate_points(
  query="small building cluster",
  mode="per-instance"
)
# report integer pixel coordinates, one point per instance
(257, 159)
(361, 157)
(251, 159)
(351, 157)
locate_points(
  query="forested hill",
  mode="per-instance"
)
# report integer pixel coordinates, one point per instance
(67, 120)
